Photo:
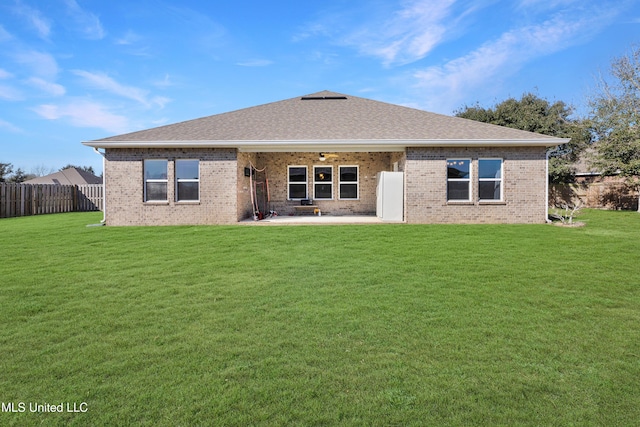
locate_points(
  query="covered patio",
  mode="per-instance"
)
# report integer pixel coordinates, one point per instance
(339, 183)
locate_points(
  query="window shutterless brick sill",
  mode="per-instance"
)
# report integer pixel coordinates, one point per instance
(483, 203)
(167, 203)
(462, 203)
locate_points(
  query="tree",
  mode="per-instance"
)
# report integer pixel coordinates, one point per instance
(534, 114)
(41, 170)
(5, 170)
(84, 168)
(19, 176)
(615, 116)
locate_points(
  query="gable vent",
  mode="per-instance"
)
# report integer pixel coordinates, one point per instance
(316, 98)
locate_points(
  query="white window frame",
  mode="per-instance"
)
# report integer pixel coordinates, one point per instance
(179, 180)
(306, 182)
(356, 182)
(467, 180)
(154, 180)
(500, 180)
(315, 197)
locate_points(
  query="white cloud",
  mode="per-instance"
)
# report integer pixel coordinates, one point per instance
(4, 35)
(5, 74)
(164, 82)
(51, 88)
(255, 63)
(84, 113)
(160, 101)
(547, 4)
(451, 83)
(409, 35)
(10, 127)
(104, 82)
(9, 93)
(87, 23)
(34, 17)
(311, 30)
(128, 39)
(41, 64)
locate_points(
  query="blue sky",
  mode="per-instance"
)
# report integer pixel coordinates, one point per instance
(77, 70)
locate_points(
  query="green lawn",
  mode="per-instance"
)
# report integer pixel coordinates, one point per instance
(321, 325)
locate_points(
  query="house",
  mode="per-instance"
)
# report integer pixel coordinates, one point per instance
(69, 176)
(327, 147)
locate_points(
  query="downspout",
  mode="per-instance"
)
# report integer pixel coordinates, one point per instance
(546, 200)
(104, 187)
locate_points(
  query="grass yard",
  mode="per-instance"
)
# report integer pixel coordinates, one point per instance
(320, 325)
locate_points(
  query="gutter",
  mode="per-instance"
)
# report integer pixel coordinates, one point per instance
(104, 187)
(334, 145)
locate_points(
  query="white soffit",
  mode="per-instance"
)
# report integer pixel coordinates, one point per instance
(333, 145)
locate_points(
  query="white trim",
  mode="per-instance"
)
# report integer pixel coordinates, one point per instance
(145, 180)
(104, 186)
(176, 180)
(333, 145)
(306, 181)
(467, 180)
(356, 182)
(501, 180)
(322, 182)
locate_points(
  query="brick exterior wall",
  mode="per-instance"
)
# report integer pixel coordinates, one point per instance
(225, 196)
(524, 181)
(244, 210)
(124, 188)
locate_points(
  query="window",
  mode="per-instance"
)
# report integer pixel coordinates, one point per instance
(297, 182)
(155, 180)
(187, 180)
(323, 182)
(490, 179)
(348, 182)
(459, 180)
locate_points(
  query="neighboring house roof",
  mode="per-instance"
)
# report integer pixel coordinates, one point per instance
(583, 166)
(330, 121)
(70, 176)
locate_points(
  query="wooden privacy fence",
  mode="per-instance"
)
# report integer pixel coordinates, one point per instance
(36, 199)
(602, 194)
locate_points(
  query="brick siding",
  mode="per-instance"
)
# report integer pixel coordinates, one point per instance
(225, 196)
(524, 181)
(124, 188)
(244, 209)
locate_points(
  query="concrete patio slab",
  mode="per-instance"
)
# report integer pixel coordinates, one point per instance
(318, 220)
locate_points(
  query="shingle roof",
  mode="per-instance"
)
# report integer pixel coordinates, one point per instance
(326, 116)
(69, 176)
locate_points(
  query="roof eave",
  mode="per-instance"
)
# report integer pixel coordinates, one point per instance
(331, 144)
